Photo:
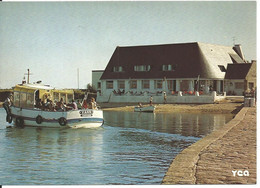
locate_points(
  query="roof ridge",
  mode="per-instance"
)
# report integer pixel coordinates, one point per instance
(214, 44)
(151, 45)
(175, 44)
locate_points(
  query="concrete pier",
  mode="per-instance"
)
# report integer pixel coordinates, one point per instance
(226, 156)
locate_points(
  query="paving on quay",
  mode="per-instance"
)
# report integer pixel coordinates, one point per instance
(226, 156)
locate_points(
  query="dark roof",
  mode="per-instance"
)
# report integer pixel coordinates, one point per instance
(237, 71)
(97, 70)
(236, 58)
(189, 60)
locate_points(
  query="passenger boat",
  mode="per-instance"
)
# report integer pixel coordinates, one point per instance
(23, 111)
(144, 109)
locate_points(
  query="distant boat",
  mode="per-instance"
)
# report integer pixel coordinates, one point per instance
(24, 110)
(144, 109)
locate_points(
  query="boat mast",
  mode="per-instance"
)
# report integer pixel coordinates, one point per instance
(28, 74)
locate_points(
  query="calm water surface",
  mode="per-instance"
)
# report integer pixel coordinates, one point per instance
(131, 148)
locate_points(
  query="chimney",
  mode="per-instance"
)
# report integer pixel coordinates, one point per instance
(238, 50)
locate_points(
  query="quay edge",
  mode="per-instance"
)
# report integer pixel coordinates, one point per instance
(183, 168)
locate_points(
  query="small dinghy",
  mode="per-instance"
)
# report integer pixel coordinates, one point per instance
(144, 109)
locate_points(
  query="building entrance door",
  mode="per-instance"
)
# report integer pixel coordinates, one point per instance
(215, 85)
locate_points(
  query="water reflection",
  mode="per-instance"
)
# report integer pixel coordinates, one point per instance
(49, 156)
(185, 124)
(48, 139)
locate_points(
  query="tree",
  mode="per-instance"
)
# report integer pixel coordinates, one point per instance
(91, 89)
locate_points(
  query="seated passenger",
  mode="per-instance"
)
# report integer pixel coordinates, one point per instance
(93, 103)
(74, 105)
(38, 103)
(50, 106)
(79, 104)
(85, 104)
(60, 105)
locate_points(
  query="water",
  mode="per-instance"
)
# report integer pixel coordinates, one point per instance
(131, 148)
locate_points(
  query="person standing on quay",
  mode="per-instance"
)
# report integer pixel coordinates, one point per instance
(151, 100)
(164, 97)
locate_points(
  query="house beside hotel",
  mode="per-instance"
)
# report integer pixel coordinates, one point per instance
(185, 72)
(240, 77)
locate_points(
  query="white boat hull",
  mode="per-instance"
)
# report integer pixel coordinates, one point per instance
(144, 109)
(85, 118)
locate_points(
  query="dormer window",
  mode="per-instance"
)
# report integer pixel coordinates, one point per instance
(142, 68)
(222, 68)
(117, 69)
(168, 67)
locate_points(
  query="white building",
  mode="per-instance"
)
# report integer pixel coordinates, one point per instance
(96, 83)
(187, 69)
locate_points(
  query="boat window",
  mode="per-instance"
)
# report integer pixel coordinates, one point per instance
(16, 98)
(56, 97)
(70, 97)
(23, 102)
(30, 100)
(37, 95)
(63, 95)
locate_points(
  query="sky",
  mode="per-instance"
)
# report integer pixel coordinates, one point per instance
(55, 39)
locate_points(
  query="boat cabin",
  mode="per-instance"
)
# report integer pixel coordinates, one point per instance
(26, 95)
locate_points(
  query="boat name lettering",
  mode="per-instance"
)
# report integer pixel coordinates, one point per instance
(85, 112)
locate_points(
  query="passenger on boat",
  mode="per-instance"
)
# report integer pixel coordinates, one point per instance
(42, 105)
(74, 105)
(7, 103)
(60, 106)
(79, 104)
(50, 106)
(85, 103)
(93, 103)
(140, 105)
(45, 97)
(38, 103)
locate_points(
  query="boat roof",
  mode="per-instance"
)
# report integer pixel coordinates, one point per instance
(34, 86)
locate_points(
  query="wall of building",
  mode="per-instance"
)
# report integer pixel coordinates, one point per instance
(235, 87)
(96, 75)
(251, 77)
(181, 85)
(145, 98)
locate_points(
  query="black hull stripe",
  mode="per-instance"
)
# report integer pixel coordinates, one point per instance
(94, 120)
